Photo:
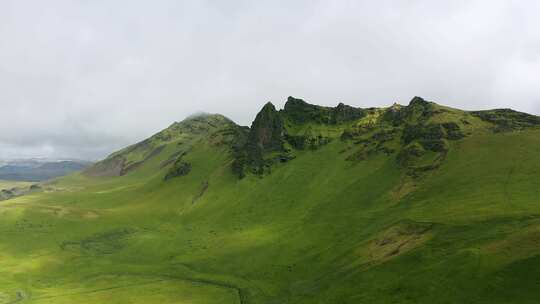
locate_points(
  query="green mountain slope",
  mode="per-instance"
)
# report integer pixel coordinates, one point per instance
(407, 204)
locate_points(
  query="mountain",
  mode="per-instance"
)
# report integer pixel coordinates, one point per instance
(38, 169)
(417, 203)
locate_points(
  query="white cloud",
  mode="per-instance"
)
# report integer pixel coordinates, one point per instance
(86, 77)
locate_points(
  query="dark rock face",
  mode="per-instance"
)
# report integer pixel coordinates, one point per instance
(407, 155)
(303, 142)
(344, 113)
(265, 142)
(298, 111)
(417, 111)
(275, 134)
(418, 102)
(267, 130)
(393, 114)
(421, 145)
(432, 136)
(249, 145)
(453, 131)
(239, 151)
(180, 168)
(266, 135)
(506, 120)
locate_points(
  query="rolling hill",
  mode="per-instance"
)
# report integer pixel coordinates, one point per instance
(417, 203)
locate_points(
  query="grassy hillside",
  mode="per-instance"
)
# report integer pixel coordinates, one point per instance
(407, 204)
(8, 184)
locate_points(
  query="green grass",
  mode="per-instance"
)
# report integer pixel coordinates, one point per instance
(6, 184)
(318, 229)
(141, 291)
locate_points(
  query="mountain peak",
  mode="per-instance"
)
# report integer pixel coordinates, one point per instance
(203, 116)
(292, 100)
(200, 122)
(294, 104)
(301, 112)
(269, 106)
(418, 101)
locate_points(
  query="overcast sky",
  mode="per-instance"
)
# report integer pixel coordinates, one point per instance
(82, 78)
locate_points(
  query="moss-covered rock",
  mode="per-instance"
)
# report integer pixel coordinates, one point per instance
(453, 131)
(179, 168)
(266, 133)
(393, 114)
(435, 145)
(344, 113)
(249, 146)
(425, 146)
(302, 142)
(300, 112)
(418, 111)
(239, 151)
(297, 141)
(410, 153)
(432, 136)
(384, 135)
(506, 120)
(362, 154)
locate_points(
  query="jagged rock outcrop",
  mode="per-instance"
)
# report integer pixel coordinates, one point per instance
(344, 113)
(266, 135)
(239, 151)
(179, 168)
(298, 111)
(418, 134)
(417, 111)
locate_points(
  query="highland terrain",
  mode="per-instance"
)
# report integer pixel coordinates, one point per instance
(417, 203)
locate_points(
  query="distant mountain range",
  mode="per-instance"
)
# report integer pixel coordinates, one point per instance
(38, 169)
